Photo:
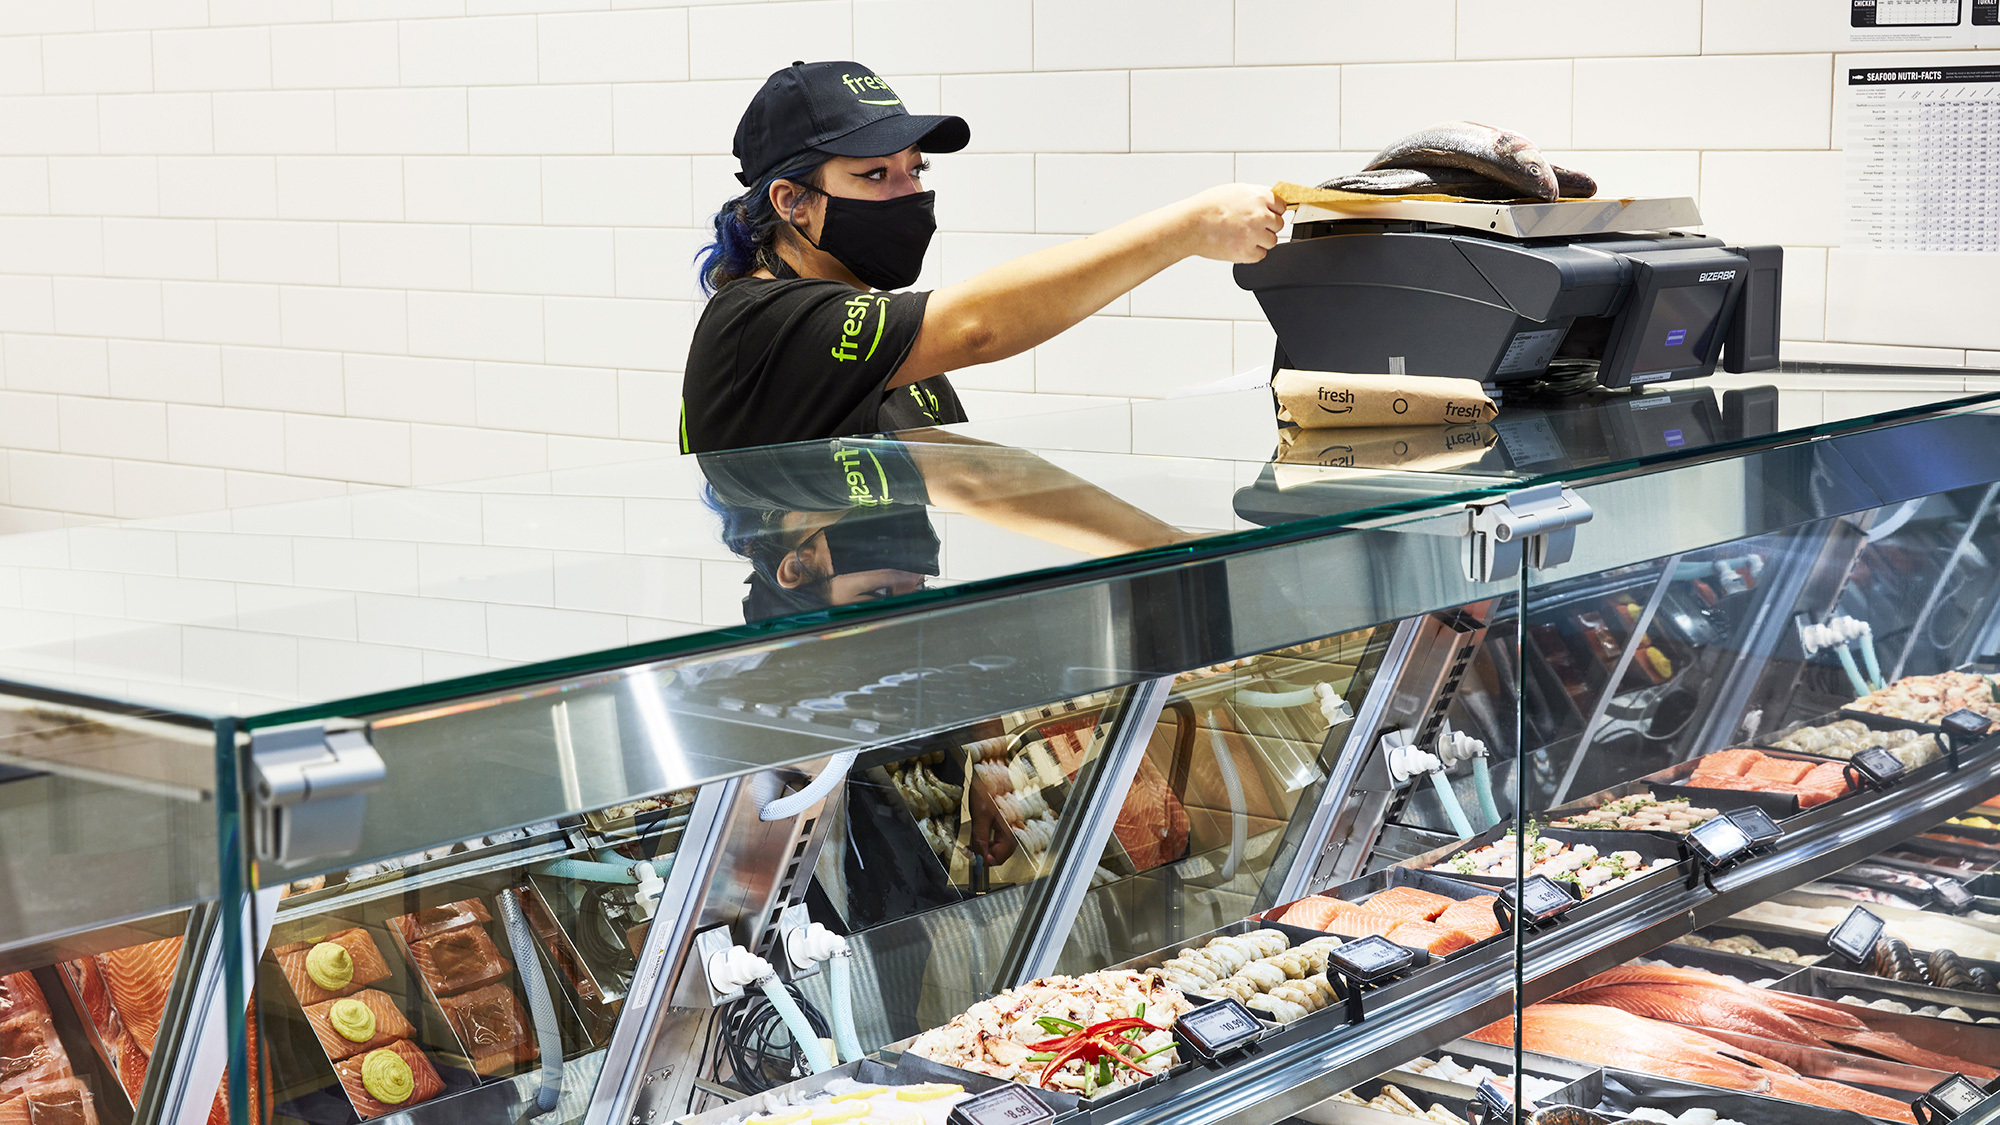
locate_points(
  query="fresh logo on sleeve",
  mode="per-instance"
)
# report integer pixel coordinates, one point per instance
(855, 328)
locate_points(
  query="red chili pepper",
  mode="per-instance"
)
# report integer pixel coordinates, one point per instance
(1093, 1044)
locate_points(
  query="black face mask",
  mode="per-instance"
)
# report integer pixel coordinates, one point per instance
(901, 539)
(881, 241)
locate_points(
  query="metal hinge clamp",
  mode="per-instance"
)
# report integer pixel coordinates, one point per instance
(311, 791)
(1536, 524)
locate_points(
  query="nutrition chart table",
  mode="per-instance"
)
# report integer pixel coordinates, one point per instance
(1923, 159)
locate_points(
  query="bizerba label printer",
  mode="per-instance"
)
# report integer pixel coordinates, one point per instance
(1563, 292)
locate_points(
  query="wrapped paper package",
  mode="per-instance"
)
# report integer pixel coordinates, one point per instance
(1323, 399)
(1421, 449)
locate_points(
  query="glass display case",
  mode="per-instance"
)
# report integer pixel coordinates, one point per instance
(1382, 774)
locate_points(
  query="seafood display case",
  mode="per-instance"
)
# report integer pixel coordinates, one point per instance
(1365, 807)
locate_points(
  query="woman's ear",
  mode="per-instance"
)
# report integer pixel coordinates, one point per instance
(791, 574)
(794, 205)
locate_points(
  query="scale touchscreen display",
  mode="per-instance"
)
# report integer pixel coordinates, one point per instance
(1678, 328)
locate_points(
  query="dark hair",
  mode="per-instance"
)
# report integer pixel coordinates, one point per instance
(747, 228)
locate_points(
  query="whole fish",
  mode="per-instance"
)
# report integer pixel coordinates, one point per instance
(1496, 153)
(1422, 181)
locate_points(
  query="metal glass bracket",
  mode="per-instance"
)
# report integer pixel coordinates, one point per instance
(310, 791)
(1536, 524)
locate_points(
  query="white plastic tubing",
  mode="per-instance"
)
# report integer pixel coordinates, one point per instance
(784, 808)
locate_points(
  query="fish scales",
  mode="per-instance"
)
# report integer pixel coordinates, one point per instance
(1499, 154)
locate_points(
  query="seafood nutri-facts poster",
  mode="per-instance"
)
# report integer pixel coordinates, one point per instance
(1923, 159)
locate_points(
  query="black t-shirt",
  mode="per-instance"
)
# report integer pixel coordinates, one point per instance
(798, 359)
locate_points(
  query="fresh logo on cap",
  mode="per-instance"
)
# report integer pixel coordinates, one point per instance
(868, 83)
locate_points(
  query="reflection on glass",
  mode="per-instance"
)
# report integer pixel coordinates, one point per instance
(845, 521)
(1238, 755)
(970, 820)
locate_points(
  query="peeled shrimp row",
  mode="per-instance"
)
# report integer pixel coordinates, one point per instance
(1294, 1000)
(1223, 956)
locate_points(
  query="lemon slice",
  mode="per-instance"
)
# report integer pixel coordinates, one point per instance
(860, 1094)
(928, 1092)
(844, 1113)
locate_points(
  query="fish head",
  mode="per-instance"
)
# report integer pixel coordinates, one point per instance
(1513, 146)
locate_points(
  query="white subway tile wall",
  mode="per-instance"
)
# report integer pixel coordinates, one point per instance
(262, 250)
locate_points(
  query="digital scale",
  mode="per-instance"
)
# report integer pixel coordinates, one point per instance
(1510, 292)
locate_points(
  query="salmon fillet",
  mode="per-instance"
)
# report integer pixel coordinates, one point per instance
(1410, 902)
(1472, 917)
(434, 920)
(428, 1084)
(138, 978)
(1608, 1037)
(1362, 923)
(1727, 763)
(19, 993)
(1703, 999)
(1430, 937)
(30, 1052)
(1837, 1095)
(96, 1001)
(1784, 771)
(1755, 772)
(1315, 912)
(390, 1024)
(1827, 782)
(458, 960)
(63, 1101)
(492, 1026)
(131, 1065)
(368, 967)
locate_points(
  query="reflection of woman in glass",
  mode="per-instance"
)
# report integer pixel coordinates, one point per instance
(844, 521)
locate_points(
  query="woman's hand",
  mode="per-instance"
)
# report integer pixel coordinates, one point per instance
(1234, 222)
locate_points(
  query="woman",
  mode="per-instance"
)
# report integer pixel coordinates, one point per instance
(799, 342)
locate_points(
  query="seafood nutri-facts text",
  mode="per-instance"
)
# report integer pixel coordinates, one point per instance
(1923, 159)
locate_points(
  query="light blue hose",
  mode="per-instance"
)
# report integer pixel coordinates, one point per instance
(589, 871)
(1452, 808)
(1482, 780)
(1853, 674)
(795, 1022)
(1867, 647)
(841, 967)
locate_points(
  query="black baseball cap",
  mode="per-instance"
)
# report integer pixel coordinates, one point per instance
(837, 109)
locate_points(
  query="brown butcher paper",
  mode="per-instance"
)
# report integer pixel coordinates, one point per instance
(1323, 399)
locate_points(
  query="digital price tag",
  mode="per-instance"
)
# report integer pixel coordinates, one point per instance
(1857, 935)
(1217, 1029)
(1966, 721)
(1011, 1104)
(1756, 824)
(1542, 899)
(1718, 841)
(1950, 1098)
(1370, 959)
(1951, 894)
(1880, 767)
(1497, 1102)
